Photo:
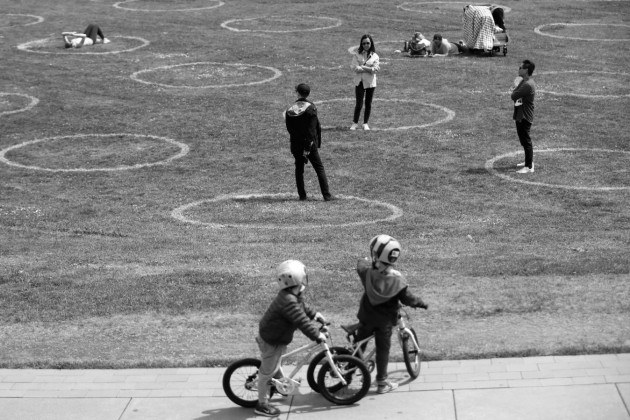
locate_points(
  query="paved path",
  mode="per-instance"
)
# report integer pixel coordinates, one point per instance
(592, 387)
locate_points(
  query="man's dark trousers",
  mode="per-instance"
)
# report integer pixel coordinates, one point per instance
(313, 157)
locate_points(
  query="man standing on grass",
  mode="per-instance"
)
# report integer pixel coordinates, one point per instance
(523, 97)
(306, 137)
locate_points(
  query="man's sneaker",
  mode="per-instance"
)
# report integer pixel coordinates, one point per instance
(366, 127)
(520, 165)
(354, 126)
(385, 387)
(266, 410)
(330, 198)
(525, 170)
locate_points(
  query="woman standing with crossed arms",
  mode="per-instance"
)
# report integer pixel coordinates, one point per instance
(365, 66)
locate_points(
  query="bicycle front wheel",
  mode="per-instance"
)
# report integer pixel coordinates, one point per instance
(411, 353)
(240, 382)
(355, 374)
(316, 363)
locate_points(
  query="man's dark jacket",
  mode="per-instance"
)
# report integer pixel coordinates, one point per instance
(303, 126)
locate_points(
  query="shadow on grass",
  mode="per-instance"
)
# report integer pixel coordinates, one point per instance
(476, 171)
(336, 128)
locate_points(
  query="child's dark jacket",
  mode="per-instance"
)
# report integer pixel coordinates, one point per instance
(383, 292)
(287, 313)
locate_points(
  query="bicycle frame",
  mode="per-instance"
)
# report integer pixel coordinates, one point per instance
(357, 350)
(287, 384)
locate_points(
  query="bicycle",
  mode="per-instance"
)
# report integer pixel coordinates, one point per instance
(407, 338)
(342, 379)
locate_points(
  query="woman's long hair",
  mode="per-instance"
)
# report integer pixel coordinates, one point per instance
(372, 49)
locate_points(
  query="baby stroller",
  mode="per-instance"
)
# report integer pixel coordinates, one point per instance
(500, 42)
(481, 33)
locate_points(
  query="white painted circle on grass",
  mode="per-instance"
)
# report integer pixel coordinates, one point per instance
(353, 50)
(539, 31)
(450, 114)
(38, 19)
(88, 50)
(184, 149)
(335, 23)
(490, 168)
(405, 5)
(276, 73)
(179, 213)
(119, 5)
(32, 102)
(582, 82)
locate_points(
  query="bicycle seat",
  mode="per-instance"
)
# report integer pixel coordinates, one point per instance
(351, 328)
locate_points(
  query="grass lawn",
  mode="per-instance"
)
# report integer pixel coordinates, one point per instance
(147, 190)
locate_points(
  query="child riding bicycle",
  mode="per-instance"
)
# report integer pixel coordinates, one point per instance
(287, 312)
(384, 288)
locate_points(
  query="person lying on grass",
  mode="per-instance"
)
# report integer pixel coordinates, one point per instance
(287, 313)
(90, 36)
(384, 290)
(441, 47)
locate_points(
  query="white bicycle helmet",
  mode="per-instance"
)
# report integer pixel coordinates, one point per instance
(385, 249)
(292, 273)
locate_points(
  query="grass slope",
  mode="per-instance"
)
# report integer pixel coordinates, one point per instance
(95, 271)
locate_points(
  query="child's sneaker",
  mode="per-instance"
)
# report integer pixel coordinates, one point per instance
(386, 386)
(265, 409)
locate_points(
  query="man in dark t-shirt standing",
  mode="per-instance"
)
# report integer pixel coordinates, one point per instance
(523, 97)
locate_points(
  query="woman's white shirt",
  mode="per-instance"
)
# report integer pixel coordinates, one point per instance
(362, 59)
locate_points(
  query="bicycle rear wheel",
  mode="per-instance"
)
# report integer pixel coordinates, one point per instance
(316, 364)
(240, 382)
(353, 371)
(411, 353)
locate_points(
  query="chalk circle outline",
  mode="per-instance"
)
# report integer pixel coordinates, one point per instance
(400, 6)
(38, 19)
(450, 114)
(81, 51)
(118, 6)
(178, 213)
(184, 149)
(582, 95)
(353, 50)
(227, 26)
(490, 168)
(276, 73)
(538, 30)
(34, 101)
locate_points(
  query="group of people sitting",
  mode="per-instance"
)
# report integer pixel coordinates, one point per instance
(482, 26)
(419, 46)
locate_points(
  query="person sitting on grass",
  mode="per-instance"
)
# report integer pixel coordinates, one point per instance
(418, 45)
(89, 37)
(287, 313)
(384, 290)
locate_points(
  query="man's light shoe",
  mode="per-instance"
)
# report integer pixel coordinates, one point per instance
(525, 170)
(366, 127)
(354, 126)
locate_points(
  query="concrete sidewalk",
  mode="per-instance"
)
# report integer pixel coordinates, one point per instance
(590, 387)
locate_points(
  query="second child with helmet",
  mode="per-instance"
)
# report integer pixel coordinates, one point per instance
(385, 288)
